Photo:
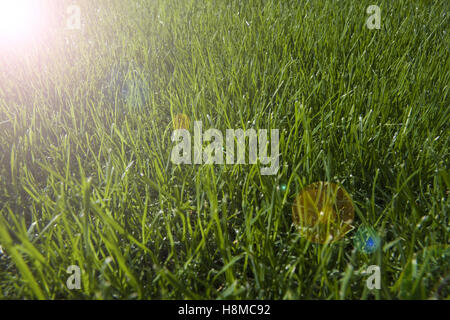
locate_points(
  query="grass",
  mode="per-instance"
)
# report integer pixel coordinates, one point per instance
(85, 171)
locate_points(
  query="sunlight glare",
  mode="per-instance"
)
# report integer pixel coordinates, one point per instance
(19, 20)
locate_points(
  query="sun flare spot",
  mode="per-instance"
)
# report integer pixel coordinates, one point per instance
(323, 212)
(19, 19)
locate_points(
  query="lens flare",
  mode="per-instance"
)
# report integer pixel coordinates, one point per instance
(181, 121)
(367, 240)
(323, 212)
(19, 20)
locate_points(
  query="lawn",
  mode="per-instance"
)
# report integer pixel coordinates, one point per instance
(86, 177)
